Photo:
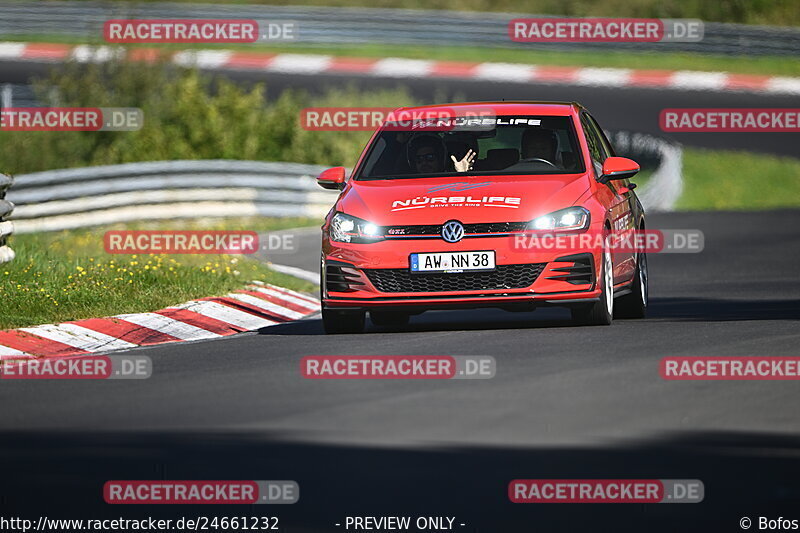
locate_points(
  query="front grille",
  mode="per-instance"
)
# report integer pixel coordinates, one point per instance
(427, 229)
(495, 227)
(436, 229)
(503, 277)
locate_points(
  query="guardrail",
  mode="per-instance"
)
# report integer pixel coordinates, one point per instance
(84, 197)
(326, 25)
(663, 157)
(6, 227)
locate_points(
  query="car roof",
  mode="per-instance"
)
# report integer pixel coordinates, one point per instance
(503, 108)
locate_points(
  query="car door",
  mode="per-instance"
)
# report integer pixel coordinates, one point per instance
(620, 197)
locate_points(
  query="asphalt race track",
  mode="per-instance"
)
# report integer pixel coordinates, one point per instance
(567, 402)
(615, 108)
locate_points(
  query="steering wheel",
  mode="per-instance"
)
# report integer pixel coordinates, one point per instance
(538, 159)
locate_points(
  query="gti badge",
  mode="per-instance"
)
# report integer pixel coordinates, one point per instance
(453, 231)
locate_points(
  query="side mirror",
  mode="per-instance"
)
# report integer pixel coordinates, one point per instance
(332, 178)
(618, 168)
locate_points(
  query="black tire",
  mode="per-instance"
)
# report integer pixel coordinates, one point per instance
(343, 321)
(389, 318)
(634, 305)
(600, 313)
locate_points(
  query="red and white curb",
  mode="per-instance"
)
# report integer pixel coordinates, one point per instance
(257, 306)
(393, 67)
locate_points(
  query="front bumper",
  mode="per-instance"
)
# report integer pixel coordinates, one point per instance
(377, 276)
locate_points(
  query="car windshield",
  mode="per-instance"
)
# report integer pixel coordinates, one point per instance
(468, 146)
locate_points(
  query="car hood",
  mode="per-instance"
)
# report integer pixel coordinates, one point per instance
(472, 199)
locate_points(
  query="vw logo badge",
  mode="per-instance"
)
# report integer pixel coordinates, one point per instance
(453, 231)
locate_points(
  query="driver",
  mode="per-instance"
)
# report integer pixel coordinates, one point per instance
(540, 143)
(426, 154)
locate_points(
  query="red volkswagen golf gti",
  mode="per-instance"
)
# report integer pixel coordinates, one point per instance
(507, 205)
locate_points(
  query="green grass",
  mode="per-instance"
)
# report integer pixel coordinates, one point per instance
(716, 179)
(67, 275)
(764, 65)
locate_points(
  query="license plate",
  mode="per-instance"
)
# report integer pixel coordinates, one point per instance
(452, 262)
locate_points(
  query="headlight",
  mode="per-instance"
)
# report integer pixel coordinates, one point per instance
(345, 228)
(569, 219)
